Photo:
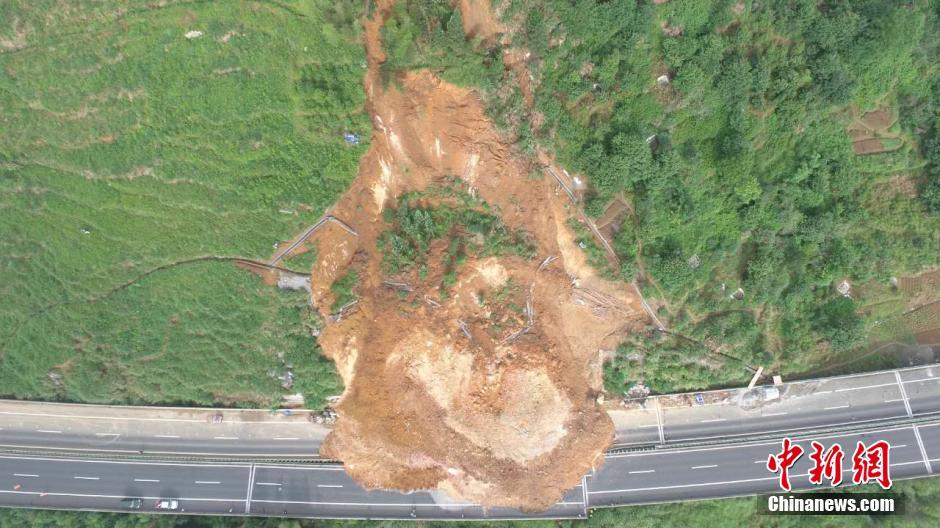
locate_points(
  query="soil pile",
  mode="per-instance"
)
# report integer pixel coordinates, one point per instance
(487, 390)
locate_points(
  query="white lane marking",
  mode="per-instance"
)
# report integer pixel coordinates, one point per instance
(125, 462)
(391, 504)
(760, 461)
(647, 426)
(823, 392)
(280, 438)
(129, 418)
(146, 480)
(226, 437)
(107, 434)
(923, 452)
(751, 444)
(713, 420)
(899, 446)
(268, 484)
(149, 451)
(800, 430)
(641, 471)
(329, 485)
(846, 389)
(834, 407)
(774, 414)
(700, 484)
(251, 486)
(893, 400)
(24, 475)
(88, 495)
(907, 404)
(50, 431)
(208, 482)
(705, 467)
(87, 478)
(166, 436)
(324, 467)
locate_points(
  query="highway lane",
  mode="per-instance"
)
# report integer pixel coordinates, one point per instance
(326, 491)
(223, 445)
(159, 430)
(723, 471)
(323, 491)
(667, 473)
(801, 405)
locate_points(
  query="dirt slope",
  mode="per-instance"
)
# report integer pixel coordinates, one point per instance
(446, 392)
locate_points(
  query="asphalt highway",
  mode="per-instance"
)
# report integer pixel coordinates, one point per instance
(801, 405)
(902, 407)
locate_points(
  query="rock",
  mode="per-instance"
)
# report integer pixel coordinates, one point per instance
(738, 294)
(695, 262)
(893, 281)
(291, 281)
(844, 288)
(662, 80)
(190, 35)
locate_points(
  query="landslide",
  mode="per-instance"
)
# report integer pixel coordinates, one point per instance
(476, 370)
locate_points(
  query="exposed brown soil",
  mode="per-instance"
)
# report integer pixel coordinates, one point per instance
(504, 416)
(868, 130)
(610, 221)
(879, 120)
(479, 20)
(869, 146)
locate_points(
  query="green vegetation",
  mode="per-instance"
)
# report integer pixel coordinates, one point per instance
(127, 146)
(725, 124)
(342, 289)
(466, 222)
(922, 503)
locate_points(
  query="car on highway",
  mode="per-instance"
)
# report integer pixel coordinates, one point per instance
(167, 504)
(132, 503)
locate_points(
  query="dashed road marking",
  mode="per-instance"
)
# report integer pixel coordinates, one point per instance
(329, 485)
(642, 471)
(774, 414)
(705, 467)
(208, 482)
(834, 407)
(713, 420)
(25, 475)
(50, 431)
(268, 484)
(146, 480)
(87, 478)
(166, 436)
(226, 437)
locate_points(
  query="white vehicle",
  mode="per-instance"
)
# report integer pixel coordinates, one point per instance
(167, 504)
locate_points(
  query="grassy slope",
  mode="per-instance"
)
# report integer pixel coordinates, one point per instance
(164, 149)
